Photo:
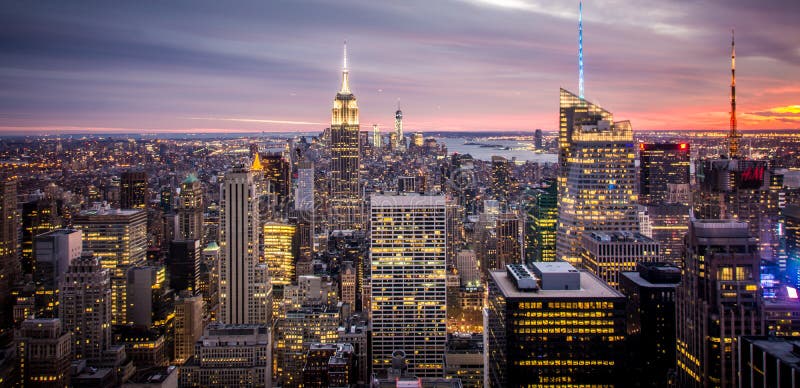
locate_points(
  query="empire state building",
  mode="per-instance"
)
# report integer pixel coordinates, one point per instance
(345, 195)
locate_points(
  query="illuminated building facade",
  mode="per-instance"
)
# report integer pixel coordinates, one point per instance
(44, 353)
(190, 209)
(348, 282)
(38, 216)
(596, 181)
(464, 359)
(399, 143)
(408, 254)
(376, 136)
(245, 293)
(548, 324)
(53, 252)
(133, 190)
(660, 165)
(607, 255)
(230, 356)
(304, 193)
(330, 365)
(295, 333)
(151, 299)
(279, 252)
(791, 232)
(188, 326)
(10, 269)
(540, 224)
(345, 193)
(501, 178)
(717, 301)
(650, 320)
(118, 238)
(509, 241)
(670, 222)
(85, 301)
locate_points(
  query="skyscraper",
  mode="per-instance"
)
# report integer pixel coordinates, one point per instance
(501, 179)
(279, 252)
(183, 266)
(10, 270)
(400, 140)
(540, 224)
(509, 242)
(408, 281)
(245, 290)
(345, 193)
(190, 209)
(607, 255)
(596, 180)
(85, 300)
(717, 301)
(548, 324)
(118, 238)
(188, 326)
(661, 165)
(304, 193)
(133, 190)
(44, 353)
(376, 136)
(38, 216)
(53, 253)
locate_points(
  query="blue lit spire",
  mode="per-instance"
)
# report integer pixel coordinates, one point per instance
(580, 49)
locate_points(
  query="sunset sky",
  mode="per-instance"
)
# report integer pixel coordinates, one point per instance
(193, 66)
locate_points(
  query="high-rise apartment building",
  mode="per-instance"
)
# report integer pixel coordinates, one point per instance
(409, 281)
(245, 289)
(345, 193)
(607, 255)
(85, 307)
(133, 190)
(718, 301)
(118, 238)
(596, 181)
(190, 209)
(661, 165)
(548, 324)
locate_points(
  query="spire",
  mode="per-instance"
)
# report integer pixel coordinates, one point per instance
(398, 105)
(345, 73)
(256, 166)
(580, 49)
(733, 136)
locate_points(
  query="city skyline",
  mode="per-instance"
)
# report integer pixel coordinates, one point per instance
(459, 65)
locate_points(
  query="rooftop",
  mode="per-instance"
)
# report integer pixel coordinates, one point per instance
(407, 200)
(590, 286)
(782, 348)
(642, 282)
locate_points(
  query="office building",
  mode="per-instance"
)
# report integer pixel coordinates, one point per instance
(769, 361)
(279, 252)
(501, 179)
(183, 265)
(188, 326)
(717, 301)
(304, 193)
(608, 254)
(538, 141)
(540, 223)
(330, 365)
(791, 232)
(146, 348)
(245, 293)
(38, 216)
(85, 301)
(669, 224)
(596, 181)
(190, 209)
(548, 324)
(348, 284)
(10, 269)
(44, 353)
(152, 302)
(277, 171)
(118, 238)
(409, 281)
(345, 193)
(650, 318)
(509, 241)
(133, 190)
(53, 252)
(660, 165)
(463, 359)
(300, 328)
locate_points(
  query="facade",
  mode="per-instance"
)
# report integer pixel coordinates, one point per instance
(408, 253)
(541, 223)
(329, 365)
(548, 324)
(279, 252)
(119, 239)
(596, 181)
(718, 300)
(670, 222)
(650, 320)
(501, 178)
(53, 252)
(85, 307)
(183, 265)
(509, 240)
(38, 216)
(791, 231)
(607, 255)
(10, 269)
(345, 192)
(133, 190)
(188, 326)
(230, 356)
(304, 193)
(151, 299)
(190, 209)
(464, 359)
(660, 165)
(399, 143)
(44, 353)
(245, 293)
(769, 362)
